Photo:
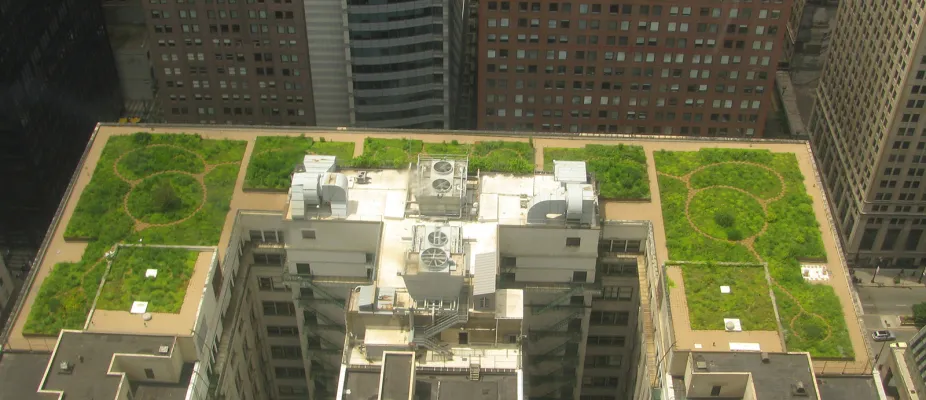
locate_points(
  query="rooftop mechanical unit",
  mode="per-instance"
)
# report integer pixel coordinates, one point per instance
(441, 185)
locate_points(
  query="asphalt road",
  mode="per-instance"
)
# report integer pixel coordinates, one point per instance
(890, 300)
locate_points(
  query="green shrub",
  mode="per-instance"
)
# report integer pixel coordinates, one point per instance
(620, 170)
(734, 234)
(275, 157)
(919, 314)
(165, 198)
(745, 213)
(150, 160)
(748, 299)
(724, 218)
(503, 156)
(126, 281)
(792, 233)
(66, 294)
(388, 153)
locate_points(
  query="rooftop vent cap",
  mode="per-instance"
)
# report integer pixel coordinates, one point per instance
(66, 367)
(765, 358)
(163, 350)
(701, 365)
(798, 389)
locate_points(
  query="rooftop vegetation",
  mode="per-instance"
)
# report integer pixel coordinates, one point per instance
(749, 299)
(274, 158)
(619, 170)
(698, 221)
(132, 200)
(388, 153)
(126, 282)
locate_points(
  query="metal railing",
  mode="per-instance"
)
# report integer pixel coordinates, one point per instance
(557, 303)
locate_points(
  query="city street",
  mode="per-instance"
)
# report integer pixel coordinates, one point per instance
(890, 300)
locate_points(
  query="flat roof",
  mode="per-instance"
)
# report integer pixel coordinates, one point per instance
(398, 371)
(20, 375)
(860, 387)
(91, 355)
(501, 200)
(364, 385)
(772, 380)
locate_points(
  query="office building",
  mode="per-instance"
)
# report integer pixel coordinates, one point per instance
(56, 68)
(905, 369)
(868, 136)
(290, 63)
(437, 279)
(701, 68)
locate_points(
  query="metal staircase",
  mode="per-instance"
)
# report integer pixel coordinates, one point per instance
(474, 371)
(325, 346)
(558, 328)
(556, 353)
(560, 301)
(324, 323)
(433, 345)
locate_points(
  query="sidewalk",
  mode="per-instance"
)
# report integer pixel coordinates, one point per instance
(886, 277)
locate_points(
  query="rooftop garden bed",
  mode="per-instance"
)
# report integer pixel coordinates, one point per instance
(699, 230)
(136, 201)
(749, 299)
(503, 156)
(274, 157)
(388, 153)
(620, 170)
(492, 156)
(126, 282)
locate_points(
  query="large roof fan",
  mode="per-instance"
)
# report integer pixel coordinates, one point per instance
(442, 185)
(434, 258)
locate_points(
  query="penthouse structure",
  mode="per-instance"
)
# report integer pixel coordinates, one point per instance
(349, 275)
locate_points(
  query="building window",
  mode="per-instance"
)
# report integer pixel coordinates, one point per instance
(289, 372)
(287, 390)
(615, 341)
(868, 239)
(149, 373)
(715, 390)
(609, 318)
(573, 242)
(285, 352)
(613, 361)
(270, 284)
(580, 276)
(627, 267)
(600, 381)
(303, 269)
(619, 246)
(308, 234)
(620, 293)
(279, 308)
(268, 259)
(282, 331)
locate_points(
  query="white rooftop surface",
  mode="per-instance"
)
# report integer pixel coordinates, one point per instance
(382, 197)
(388, 336)
(489, 357)
(501, 195)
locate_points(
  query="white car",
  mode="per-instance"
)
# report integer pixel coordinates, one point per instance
(883, 336)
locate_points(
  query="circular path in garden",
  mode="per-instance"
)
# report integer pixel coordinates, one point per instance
(199, 177)
(749, 242)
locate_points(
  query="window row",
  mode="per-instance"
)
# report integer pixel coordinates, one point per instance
(622, 129)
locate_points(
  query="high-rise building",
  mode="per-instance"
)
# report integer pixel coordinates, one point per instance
(435, 276)
(371, 63)
(701, 68)
(869, 134)
(56, 70)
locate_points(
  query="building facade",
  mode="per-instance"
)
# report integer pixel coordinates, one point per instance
(868, 133)
(55, 67)
(684, 68)
(281, 62)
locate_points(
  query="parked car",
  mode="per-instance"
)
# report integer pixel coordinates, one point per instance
(883, 336)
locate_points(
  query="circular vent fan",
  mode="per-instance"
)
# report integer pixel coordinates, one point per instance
(441, 185)
(443, 167)
(438, 238)
(434, 258)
